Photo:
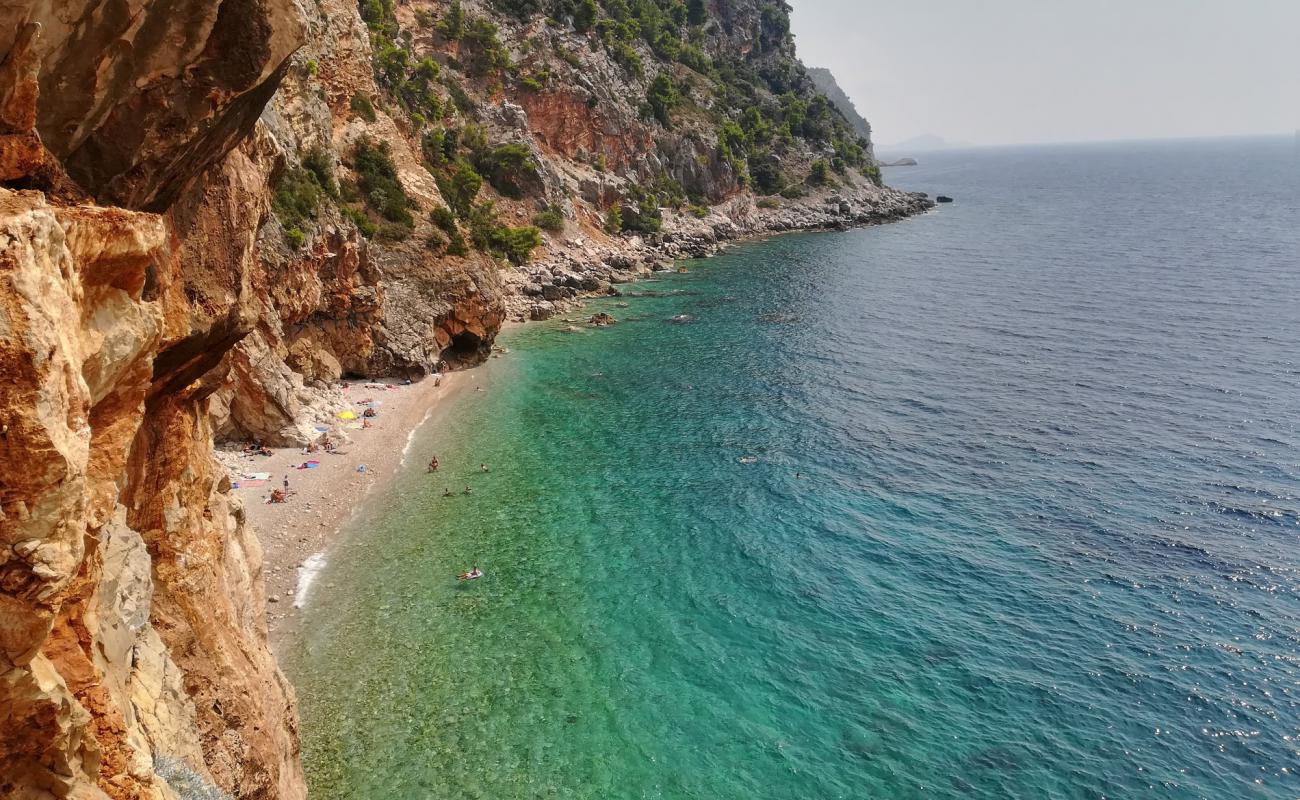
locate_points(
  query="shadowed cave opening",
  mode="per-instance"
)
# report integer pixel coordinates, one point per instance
(466, 350)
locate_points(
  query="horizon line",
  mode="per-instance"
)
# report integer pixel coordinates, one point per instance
(1123, 140)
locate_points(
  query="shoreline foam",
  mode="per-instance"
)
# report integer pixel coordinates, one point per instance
(297, 535)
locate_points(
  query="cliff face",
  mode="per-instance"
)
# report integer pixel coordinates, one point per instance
(827, 85)
(211, 210)
(131, 621)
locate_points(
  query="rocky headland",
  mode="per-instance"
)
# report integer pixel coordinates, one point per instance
(212, 212)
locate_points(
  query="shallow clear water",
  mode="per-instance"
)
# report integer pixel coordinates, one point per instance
(1021, 520)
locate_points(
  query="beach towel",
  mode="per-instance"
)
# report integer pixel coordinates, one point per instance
(249, 483)
(347, 415)
(322, 429)
(354, 426)
(258, 476)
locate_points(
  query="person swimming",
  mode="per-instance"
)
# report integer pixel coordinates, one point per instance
(446, 492)
(483, 467)
(473, 574)
(468, 490)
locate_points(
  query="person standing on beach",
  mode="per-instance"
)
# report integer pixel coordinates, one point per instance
(286, 484)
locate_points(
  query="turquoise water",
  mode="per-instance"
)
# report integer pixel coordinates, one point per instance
(997, 502)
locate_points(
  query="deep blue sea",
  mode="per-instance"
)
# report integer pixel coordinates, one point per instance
(998, 502)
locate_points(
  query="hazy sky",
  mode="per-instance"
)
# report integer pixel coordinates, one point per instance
(1004, 71)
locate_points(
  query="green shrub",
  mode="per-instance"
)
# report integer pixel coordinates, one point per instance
(698, 211)
(792, 192)
(490, 236)
(445, 221)
(506, 167)
(321, 165)
(614, 219)
(442, 218)
(549, 219)
(432, 145)
(662, 97)
(392, 232)
(489, 54)
(295, 238)
(768, 202)
(462, 101)
(362, 107)
(377, 178)
(820, 174)
(312, 67)
(359, 218)
(460, 188)
(765, 172)
(297, 198)
(697, 12)
(453, 25)
(643, 217)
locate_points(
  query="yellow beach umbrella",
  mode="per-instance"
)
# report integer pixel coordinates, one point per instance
(347, 415)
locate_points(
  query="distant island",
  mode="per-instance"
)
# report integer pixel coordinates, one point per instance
(898, 162)
(926, 141)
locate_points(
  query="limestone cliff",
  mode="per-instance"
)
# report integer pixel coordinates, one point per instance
(211, 210)
(825, 82)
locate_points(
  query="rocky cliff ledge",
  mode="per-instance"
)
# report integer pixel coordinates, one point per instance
(212, 210)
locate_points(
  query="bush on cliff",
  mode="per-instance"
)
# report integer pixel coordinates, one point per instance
(362, 107)
(506, 167)
(460, 188)
(662, 97)
(614, 219)
(380, 188)
(321, 165)
(444, 220)
(550, 219)
(641, 214)
(453, 25)
(488, 54)
(820, 174)
(490, 236)
(297, 200)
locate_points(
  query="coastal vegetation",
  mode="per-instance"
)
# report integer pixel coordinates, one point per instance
(761, 106)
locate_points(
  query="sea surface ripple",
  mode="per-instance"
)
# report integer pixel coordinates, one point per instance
(998, 502)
